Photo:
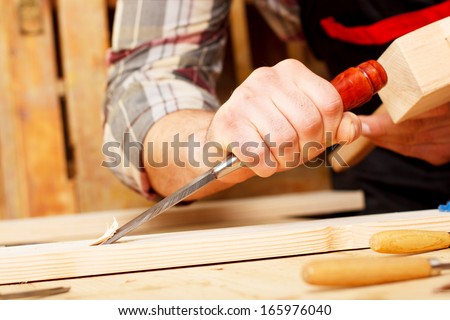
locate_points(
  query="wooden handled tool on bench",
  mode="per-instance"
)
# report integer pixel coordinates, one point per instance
(418, 68)
(409, 241)
(368, 271)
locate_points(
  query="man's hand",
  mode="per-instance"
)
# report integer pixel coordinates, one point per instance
(280, 117)
(425, 137)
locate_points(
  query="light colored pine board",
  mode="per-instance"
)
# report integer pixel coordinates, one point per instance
(268, 279)
(180, 249)
(239, 36)
(225, 213)
(418, 69)
(84, 40)
(34, 168)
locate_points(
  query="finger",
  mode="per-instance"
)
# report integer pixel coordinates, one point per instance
(232, 131)
(376, 126)
(277, 133)
(436, 154)
(304, 118)
(438, 112)
(321, 92)
(349, 128)
(435, 135)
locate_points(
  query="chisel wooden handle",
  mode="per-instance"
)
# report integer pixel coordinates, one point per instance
(357, 85)
(367, 271)
(409, 241)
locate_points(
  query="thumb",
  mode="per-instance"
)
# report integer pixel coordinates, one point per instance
(349, 129)
(376, 125)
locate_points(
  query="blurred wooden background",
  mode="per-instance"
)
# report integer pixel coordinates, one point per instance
(52, 57)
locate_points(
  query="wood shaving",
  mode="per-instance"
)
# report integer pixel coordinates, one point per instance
(110, 231)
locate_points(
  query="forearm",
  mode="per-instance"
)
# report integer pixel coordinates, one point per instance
(157, 71)
(168, 160)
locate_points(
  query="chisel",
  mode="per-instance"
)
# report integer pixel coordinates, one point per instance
(355, 85)
(409, 241)
(354, 272)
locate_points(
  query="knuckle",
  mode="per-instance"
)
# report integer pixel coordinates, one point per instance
(307, 115)
(282, 132)
(330, 107)
(290, 63)
(244, 93)
(288, 135)
(225, 119)
(310, 124)
(264, 74)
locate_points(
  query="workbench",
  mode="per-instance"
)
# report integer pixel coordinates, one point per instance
(267, 279)
(262, 279)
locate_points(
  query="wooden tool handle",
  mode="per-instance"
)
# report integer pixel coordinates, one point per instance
(366, 271)
(409, 241)
(357, 85)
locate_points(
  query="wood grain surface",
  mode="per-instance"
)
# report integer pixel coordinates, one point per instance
(418, 67)
(261, 279)
(180, 249)
(202, 214)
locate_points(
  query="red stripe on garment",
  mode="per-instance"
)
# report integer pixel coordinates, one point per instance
(196, 38)
(387, 29)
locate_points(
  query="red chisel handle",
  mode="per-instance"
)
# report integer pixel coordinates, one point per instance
(357, 85)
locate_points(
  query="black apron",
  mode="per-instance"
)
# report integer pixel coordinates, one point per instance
(391, 182)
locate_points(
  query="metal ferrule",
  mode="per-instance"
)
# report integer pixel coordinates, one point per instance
(436, 266)
(230, 164)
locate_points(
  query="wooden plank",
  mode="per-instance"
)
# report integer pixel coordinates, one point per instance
(239, 36)
(268, 279)
(13, 181)
(33, 161)
(255, 210)
(418, 68)
(168, 250)
(2, 191)
(84, 40)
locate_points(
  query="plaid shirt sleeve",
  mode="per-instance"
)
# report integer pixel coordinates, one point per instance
(165, 56)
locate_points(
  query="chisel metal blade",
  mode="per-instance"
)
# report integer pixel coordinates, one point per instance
(230, 164)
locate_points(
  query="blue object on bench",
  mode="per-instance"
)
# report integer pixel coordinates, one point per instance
(444, 207)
